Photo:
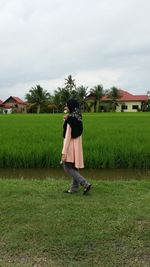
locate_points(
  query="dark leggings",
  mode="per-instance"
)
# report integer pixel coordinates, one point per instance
(77, 179)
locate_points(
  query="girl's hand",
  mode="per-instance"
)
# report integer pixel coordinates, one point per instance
(66, 117)
(63, 157)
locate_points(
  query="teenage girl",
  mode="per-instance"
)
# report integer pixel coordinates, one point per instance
(72, 152)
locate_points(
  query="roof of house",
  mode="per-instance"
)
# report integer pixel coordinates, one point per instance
(125, 96)
(1, 102)
(17, 100)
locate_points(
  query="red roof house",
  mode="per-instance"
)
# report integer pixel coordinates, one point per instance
(125, 96)
(14, 99)
(15, 103)
(127, 102)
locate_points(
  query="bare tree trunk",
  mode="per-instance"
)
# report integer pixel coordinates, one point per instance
(38, 108)
(98, 106)
(95, 104)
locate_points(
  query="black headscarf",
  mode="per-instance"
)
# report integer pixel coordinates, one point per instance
(74, 119)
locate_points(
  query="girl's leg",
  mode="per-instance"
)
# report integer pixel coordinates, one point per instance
(74, 186)
(77, 178)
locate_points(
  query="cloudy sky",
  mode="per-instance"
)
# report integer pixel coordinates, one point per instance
(96, 41)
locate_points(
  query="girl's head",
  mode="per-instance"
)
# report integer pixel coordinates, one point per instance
(72, 104)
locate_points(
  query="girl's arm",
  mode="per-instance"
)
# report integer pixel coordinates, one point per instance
(66, 140)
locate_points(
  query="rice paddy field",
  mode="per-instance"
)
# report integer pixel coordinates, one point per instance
(110, 140)
(42, 227)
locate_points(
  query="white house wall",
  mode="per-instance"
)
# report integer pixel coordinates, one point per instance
(129, 105)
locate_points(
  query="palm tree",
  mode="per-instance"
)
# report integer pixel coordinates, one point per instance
(37, 95)
(81, 96)
(148, 101)
(65, 95)
(97, 93)
(70, 85)
(114, 95)
(57, 98)
(148, 93)
(61, 96)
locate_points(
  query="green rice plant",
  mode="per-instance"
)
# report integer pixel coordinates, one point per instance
(110, 140)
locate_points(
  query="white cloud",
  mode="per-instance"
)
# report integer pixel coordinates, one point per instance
(99, 41)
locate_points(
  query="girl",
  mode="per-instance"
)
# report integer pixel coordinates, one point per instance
(72, 152)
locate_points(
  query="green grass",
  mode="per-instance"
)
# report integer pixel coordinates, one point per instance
(111, 140)
(41, 226)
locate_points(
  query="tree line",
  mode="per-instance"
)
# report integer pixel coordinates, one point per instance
(41, 101)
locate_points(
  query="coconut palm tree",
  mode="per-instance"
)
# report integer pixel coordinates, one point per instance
(57, 98)
(148, 101)
(114, 95)
(70, 83)
(148, 93)
(61, 96)
(37, 95)
(71, 86)
(81, 97)
(97, 93)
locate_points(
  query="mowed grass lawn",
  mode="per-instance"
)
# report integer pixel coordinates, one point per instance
(110, 140)
(41, 226)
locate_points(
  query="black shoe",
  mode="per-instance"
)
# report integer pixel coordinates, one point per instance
(87, 188)
(69, 191)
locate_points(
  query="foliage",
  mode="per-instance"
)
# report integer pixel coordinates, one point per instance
(61, 96)
(40, 100)
(148, 102)
(82, 93)
(37, 95)
(70, 84)
(97, 93)
(114, 95)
